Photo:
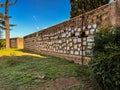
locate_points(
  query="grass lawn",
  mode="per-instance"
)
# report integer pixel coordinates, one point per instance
(24, 70)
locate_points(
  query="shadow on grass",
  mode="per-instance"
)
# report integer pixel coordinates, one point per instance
(25, 51)
(19, 70)
(32, 71)
(28, 51)
(32, 52)
(15, 60)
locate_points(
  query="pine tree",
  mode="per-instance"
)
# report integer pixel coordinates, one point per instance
(80, 6)
(6, 20)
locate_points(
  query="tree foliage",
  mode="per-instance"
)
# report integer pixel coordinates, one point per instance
(80, 6)
(1, 21)
(2, 43)
(106, 58)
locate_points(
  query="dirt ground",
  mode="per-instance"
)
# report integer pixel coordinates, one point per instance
(70, 83)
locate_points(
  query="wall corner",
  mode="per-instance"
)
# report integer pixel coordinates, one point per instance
(114, 13)
(118, 12)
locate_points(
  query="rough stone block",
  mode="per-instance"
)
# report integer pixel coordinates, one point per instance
(76, 52)
(87, 32)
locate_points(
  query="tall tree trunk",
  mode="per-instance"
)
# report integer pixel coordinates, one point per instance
(7, 25)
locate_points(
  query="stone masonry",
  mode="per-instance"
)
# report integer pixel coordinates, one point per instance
(73, 39)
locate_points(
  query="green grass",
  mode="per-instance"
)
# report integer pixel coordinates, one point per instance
(27, 69)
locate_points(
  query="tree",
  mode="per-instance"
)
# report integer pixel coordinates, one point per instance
(80, 6)
(6, 20)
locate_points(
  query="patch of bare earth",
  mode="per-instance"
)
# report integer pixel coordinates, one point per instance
(47, 86)
(66, 83)
(2, 89)
(60, 84)
(70, 83)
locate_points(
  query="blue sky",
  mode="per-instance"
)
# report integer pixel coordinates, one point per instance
(34, 15)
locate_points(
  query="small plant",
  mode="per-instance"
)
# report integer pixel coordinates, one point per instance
(2, 43)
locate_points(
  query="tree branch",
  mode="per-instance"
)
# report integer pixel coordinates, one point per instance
(12, 3)
(2, 5)
(1, 15)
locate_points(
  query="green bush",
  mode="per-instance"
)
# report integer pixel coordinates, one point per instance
(106, 58)
(2, 43)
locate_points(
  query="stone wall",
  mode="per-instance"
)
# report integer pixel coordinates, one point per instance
(16, 43)
(73, 39)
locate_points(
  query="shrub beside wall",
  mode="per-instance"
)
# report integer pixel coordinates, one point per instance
(2, 43)
(106, 58)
